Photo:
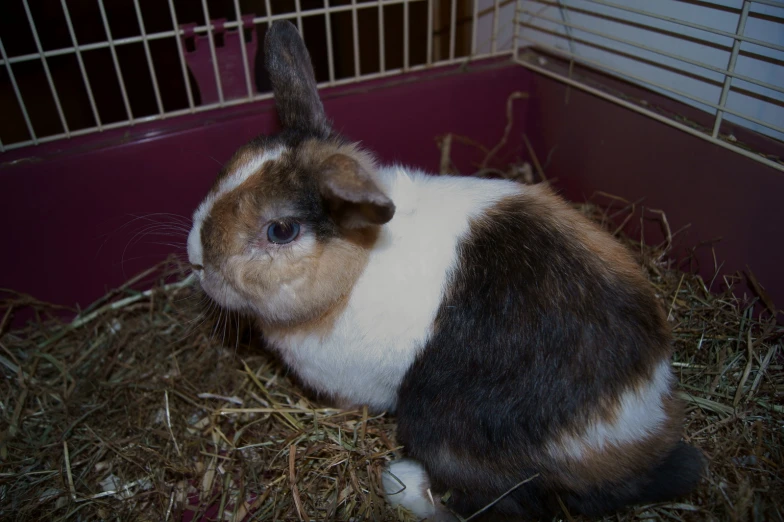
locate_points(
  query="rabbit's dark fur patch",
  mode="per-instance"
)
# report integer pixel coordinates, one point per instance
(530, 343)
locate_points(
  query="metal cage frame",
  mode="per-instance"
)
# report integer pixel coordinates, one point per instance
(523, 25)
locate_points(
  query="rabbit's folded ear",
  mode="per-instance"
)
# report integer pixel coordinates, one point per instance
(352, 197)
(293, 81)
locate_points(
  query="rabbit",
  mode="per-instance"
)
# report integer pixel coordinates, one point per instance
(520, 346)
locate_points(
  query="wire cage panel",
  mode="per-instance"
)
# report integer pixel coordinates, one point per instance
(139, 61)
(71, 68)
(725, 58)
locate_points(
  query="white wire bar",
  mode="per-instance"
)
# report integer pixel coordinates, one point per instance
(355, 38)
(729, 71)
(474, 24)
(82, 68)
(213, 53)
(328, 26)
(148, 54)
(116, 62)
(48, 74)
(298, 9)
(496, 14)
(268, 18)
(564, 11)
(405, 35)
(243, 50)
(517, 26)
(381, 42)
(452, 29)
(180, 52)
(34, 139)
(430, 31)
(725, 90)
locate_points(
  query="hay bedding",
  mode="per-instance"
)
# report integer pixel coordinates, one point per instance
(151, 406)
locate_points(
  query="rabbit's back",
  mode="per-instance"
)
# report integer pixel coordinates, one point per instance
(549, 357)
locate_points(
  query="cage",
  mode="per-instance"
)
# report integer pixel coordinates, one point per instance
(115, 115)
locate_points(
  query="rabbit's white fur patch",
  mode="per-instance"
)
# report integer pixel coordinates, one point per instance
(393, 304)
(226, 185)
(406, 484)
(640, 414)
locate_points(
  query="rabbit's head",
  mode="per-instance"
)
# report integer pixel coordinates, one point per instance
(287, 227)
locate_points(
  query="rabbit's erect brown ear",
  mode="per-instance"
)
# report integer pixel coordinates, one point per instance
(293, 81)
(352, 197)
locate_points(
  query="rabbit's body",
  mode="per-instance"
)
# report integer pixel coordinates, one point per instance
(373, 338)
(512, 337)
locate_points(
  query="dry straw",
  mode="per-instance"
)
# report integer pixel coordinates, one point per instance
(143, 409)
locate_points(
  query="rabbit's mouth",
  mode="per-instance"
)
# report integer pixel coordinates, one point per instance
(221, 290)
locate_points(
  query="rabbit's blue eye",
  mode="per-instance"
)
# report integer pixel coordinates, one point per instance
(282, 232)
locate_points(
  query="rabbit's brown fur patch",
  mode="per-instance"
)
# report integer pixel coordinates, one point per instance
(323, 270)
